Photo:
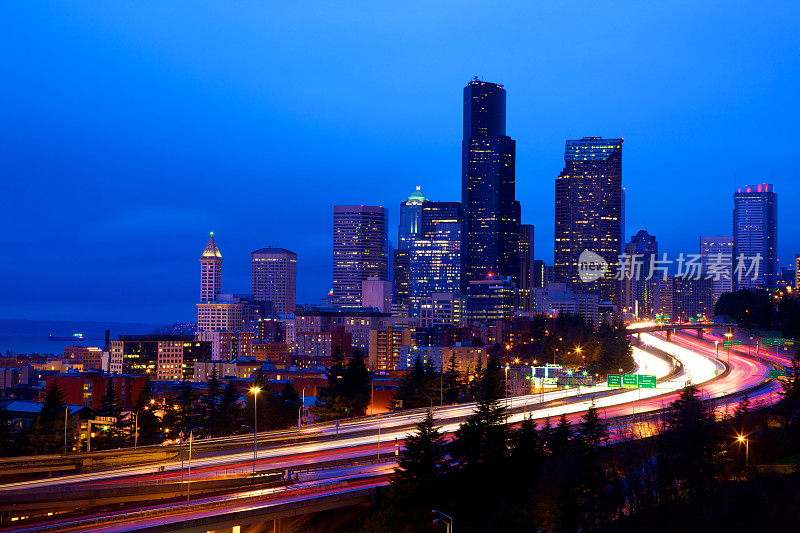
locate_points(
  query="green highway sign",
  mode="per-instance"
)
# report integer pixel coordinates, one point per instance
(777, 373)
(614, 380)
(630, 381)
(776, 341)
(647, 381)
(730, 343)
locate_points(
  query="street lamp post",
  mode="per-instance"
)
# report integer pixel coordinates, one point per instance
(255, 391)
(741, 439)
(448, 520)
(506, 386)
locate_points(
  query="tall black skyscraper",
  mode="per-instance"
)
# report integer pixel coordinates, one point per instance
(490, 235)
(589, 213)
(755, 233)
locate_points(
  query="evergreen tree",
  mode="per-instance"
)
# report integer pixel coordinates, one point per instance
(230, 410)
(415, 486)
(451, 379)
(357, 384)
(210, 405)
(686, 447)
(561, 437)
(185, 414)
(331, 403)
(149, 426)
(46, 434)
(592, 432)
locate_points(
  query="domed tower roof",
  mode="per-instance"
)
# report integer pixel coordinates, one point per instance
(211, 250)
(416, 198)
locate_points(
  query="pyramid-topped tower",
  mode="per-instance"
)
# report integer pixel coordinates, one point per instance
(210, 271)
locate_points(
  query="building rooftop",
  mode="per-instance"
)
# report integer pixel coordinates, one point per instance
(270, 250)
(211, 249)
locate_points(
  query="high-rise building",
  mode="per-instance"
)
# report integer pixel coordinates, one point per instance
(376, 294)
(588, 214)
(755, 234)
(210, 271)
(419, 218)
(491, 299)
(797, 272)
(716, 258)
(435, 213)
(359, 250)
(644, 250)
(410, 227)
(490, 235)
(527, 266)
(274, 278)
(435, 264)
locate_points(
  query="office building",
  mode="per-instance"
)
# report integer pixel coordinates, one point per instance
(274, 278)
(716, 257)
(491, 299)
(376, 294)
(435, 264)
(755, 234)
(359, 250)
(527, 266)
(491, 213)
(385, 345)
(556, 298)
(210, 271)
(637, 290)
(588, 214)
(442, 309)
(797, 272)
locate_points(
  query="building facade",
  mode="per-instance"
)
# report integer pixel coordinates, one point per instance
(274, 278)
(359, 250)
(755, 235)
(589, 214)
(490, 300)
(527, 266)
(716, 258)
(210, 271)
(435, 264)
(491, 213)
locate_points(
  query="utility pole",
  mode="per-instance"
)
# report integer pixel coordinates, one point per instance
(189, 472)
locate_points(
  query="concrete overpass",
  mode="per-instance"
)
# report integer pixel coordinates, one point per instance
(651, 327)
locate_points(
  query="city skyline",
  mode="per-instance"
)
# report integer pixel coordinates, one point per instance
(669, 135)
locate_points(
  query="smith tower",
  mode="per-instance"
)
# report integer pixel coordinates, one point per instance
(210, 271)
(490, 235)
(589, 214)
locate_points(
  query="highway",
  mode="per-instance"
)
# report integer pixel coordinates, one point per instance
(721, 381)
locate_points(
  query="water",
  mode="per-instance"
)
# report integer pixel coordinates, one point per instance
(31, 336)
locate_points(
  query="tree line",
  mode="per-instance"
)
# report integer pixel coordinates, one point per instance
(689, 471)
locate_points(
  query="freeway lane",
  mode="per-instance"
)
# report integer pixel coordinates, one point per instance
(697, 363)
(394, 426)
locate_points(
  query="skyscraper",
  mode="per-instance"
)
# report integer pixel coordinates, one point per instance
(410, 228)
(435, 264)
(588, 213)
(359, 250)
(490, 235)
(210, 271)
(716, 256)
(527, 273)
(755, 233)
(645, 248)
(274, 278)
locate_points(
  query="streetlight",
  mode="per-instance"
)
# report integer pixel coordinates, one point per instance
(506, 384)
(448, 520)
(741, 439)
(255, 390)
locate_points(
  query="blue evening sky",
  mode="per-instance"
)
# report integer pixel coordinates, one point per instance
(131, 129)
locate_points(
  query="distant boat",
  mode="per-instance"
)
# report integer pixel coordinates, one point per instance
(75, 337)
